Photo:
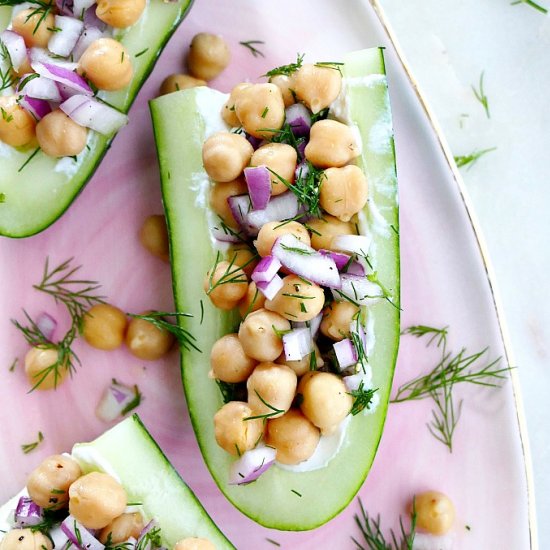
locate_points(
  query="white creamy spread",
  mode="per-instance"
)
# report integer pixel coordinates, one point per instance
(91, 460)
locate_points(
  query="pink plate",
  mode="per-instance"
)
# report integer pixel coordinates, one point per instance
(445, 282)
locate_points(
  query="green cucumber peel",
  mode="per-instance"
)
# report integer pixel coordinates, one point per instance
(148, 478)
(279, 499)
(36, 195)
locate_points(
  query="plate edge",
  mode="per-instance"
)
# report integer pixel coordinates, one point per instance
(489, 271)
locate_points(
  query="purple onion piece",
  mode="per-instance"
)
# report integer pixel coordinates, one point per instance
(79, 535)
(266, 269)
(297, 344)
(355, 268)
(258, 180)
(254, 141)
(94, 114)
(63, 75)
(65, 7)
(251, 465)
(115, 400)
(92, 20)
(38, 108)
(302, 170)
(27, 513)
(299, 119)
(271, 288)
(345, 353)
(240, 206)
(282, 207)
(340, 259)
(15, 46)
(46, 323)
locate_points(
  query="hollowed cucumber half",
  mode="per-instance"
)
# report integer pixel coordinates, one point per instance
(279, 499)
(34, 195)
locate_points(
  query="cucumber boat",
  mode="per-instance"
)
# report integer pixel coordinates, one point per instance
(35, 189)
(281, 499)
(128, 452)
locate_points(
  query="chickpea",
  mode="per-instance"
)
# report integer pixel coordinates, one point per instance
(252, 301)
(49, 483)
(344, 191)
(337, 318)
(326, 401)
(244, 258)
(120, 13)
(258, 335)
(272, 384)
(260, 107)
(122, 528)
(297, 300)
(271, 231)
(435, 512)
(331, 144)
(317, 86)
(17, 125)
(233, 432)
(107, 64)
(279, 157)
(228, 110)
(303, 365)
(208, 55)
(96, 499)
(35, 29)
(229, 361)
(225, 156)
(294, 437)
(225, 295)
(59, 136)
(153, 235)
(146, 341)
(193, 543)
(323, 229)
(220, 192)
(285, 84)
(177, 82)
(25, 539)
(104, 326)
(37, 363)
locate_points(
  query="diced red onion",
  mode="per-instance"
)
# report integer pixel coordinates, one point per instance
(270, 288)
(302, 260)
(341, 260)
(89, 35)
(358, 289)
(251, 465)
(16, 48)
(114, 401)
(302, 170)
(94, 114)
(59, 538)
(299, 119)
(345, 353)
(64, 40)
(312, 325)
(79, 535)
(92, 20)
(357, 328)
(258, 180)
(40, 55)
(357, 244)
(297, 344)
(39, 87)
(266, 269)
(47, 325)
(65, 7)
(254, 141)
(356, 268)
(148, 545)
(240, 206)
(281, 207)
(80, 7)
(220, 234)
(27, 513)
(62, 75)
(38, 108)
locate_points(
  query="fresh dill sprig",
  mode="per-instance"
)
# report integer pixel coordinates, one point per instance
(438, 335)
(28, 447)
(336, 65)
(157, 319)
(472, 158)
(13, 365)
(373, 537)
(139, 54)
(49, 519)
(150, 540)
(534, 5)
(229, 231)
(480, 95)
(251, 45)
(274, 410)
(77, 295)
(232, 274)
(285, 70)
(455, 369)
(28, 160)
(110, 545)
(362, 398)
(228, 390)
(296, 250)
(446, 414)
(306, 187)
(7, 76)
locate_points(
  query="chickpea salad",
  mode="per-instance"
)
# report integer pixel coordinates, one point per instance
(295, 262)
(56, 57)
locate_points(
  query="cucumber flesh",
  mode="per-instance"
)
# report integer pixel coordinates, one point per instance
(279, 499)
(148, 477)
(37, 195)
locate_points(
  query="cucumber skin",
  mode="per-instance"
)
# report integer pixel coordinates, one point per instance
(35, 223)
(268, 501)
